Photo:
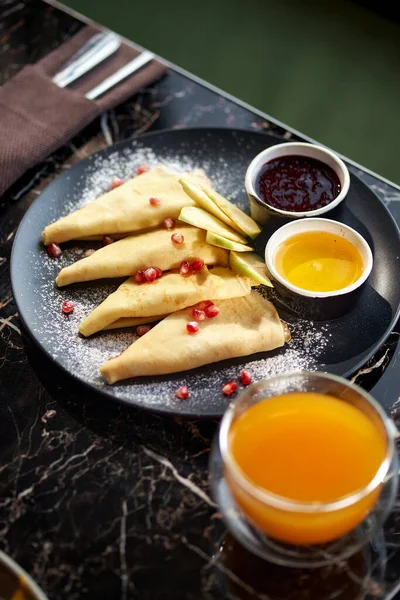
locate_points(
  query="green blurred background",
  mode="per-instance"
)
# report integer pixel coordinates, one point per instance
(328, 69)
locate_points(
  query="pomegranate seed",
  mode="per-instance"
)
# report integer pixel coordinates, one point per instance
(182, 392)
(54, 250)
(229, 388)
(89, 252)
(205, 304)
(142, 329)
(212, 311)
(140, 277)
(198, 314)
(142, 169)
(192, 327)
(177, 238)
(150, 274)
(116, 182)
(107, 240)
(185, 268)
(198, 264)
(67, 307)
(169, 223)
(155, 201)
(159, 272)
(245, 377)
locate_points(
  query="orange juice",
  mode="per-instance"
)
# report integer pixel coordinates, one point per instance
(305, 447)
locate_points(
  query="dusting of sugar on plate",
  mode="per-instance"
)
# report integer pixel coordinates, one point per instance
(82, 357)
(99, 173)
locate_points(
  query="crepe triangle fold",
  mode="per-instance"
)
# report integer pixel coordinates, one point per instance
(168, 294)
(133, 322)
(152, 249)
(124, 209)
(244, 326)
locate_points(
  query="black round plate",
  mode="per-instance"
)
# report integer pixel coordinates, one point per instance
(340, 346)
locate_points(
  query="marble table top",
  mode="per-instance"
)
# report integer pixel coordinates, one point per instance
(101, 501)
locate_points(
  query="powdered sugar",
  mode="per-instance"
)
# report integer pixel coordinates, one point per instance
(123, 164)
(58, 333)
(83, 357)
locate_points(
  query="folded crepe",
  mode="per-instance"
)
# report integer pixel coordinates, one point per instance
(152, 249)
(244, 326)
(133, 322)
(168, 294)
(125, 209)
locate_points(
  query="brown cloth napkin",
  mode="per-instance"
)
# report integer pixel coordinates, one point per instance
(37, 117)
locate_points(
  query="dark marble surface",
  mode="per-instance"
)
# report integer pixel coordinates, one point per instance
(99, 501)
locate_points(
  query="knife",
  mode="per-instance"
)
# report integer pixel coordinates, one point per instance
(128, 69)
(93, 52)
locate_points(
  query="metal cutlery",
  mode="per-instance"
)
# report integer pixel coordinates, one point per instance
(93, 52)
(96, 50)
(128, 69)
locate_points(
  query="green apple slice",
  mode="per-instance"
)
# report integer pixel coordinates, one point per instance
(194, 191)
(222, 242)
(202, 219)
(244, 222)
(251, 265)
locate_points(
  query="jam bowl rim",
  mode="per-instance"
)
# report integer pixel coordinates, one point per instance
(307, 149)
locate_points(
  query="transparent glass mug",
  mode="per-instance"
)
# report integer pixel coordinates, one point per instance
(301, 523)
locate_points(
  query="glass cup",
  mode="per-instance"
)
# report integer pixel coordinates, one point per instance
(295, 532)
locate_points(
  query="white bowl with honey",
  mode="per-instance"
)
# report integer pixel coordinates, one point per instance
(318, 266)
